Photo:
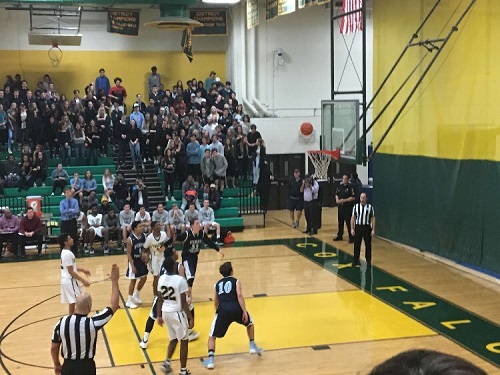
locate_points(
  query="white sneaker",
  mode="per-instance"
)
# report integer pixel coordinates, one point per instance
(105, 250)
(91, 251)
(34, 184)
(144, 160)
(254, 349)
(155, 162)
(137, 299)
(85, 250)
(143, 344)
(51, 193)
(166, 369)
(173, 199)
(43, 184)
(193, 335)
(62, 194)
(131, 305)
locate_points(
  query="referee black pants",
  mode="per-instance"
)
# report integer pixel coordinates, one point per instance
(362, 232)
(311, 213)
(70, 227)
(78, 367)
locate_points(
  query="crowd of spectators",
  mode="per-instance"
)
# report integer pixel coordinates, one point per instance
(174, 128)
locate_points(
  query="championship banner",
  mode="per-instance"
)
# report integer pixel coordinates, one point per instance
(214, 21)
(125, 22)
(252, 13)
(187, 44)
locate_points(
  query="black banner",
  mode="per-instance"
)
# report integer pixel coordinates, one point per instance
(123, 21)
(214, 21)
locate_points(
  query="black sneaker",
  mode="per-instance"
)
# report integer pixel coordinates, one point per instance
(337, 238)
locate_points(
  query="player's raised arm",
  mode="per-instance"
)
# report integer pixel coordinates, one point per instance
(208, 241)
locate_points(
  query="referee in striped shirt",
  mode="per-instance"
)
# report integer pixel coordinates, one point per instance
(77, 333)
(363, 228)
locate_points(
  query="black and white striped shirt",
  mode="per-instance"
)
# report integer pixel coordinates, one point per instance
(363, 214)
(78, 334)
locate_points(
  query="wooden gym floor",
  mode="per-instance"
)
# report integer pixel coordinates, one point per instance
(312, 311)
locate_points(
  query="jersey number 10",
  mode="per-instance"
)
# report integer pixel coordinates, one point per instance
(225, 287)
(168, 293)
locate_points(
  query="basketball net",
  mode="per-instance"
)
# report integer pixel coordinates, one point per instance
(321, 159)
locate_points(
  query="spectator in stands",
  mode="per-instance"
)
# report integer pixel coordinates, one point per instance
(134, 136)
(64, 139)
(160, 215)
(60, 178)
(126, 218)
(176, 221)
(26, 174)
(122, 129)
(105, 206)
(252, 137)
(264, 185)
(154, 79)
(4, 135)
(12, 172)
(39, 169)
(95, 228)
(112, 225)
(143, 217)
(243, 157)
(79, 141)
(89, 183)
(137, 116)
(189, 184)
(193, 157)
(220, 168)
(9, 228)
(102, 84)
(259, 157)
(229, 154)
(3, 176)
(108, 182)
(227, 91)
(76, 187)
(139, 195)
(121, 191)
(30, 229)
(207, 220)
(93, 141)
(214, 197)
(190, 215)
(169, 175)
(118, 93)
(207, 167)
(103, 122)
(210, 81)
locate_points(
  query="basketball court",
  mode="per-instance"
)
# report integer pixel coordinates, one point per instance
(312, 310)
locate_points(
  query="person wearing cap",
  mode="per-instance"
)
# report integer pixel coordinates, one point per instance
(214, 197)
(210, 80)
(154, 79)
(118, 93)
(137, 116)
(193, 105)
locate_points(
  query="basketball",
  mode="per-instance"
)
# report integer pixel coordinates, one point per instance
(306, 128)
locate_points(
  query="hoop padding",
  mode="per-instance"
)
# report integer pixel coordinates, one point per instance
(321, 160)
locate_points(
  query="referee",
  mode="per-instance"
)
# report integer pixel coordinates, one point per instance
(77, 333)
(363, 228)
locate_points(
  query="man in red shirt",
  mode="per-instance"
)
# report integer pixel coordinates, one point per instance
(30, 230)
(118, 94)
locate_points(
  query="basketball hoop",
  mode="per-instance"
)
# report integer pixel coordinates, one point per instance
(55, 54)
(321, 160)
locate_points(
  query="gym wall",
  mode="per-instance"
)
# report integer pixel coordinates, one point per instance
(437, 171)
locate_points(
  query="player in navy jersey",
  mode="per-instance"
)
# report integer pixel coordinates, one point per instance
(230, 307)
(137, 268)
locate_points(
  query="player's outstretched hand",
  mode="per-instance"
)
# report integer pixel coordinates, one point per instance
(87, 272)
(115, 273)
(85, 283)
(159, 320)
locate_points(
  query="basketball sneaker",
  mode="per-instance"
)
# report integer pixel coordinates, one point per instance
(254, 349)
(208, 363)
(143, 344)
(193, 335)
(165, 368)
(131, 305)
(136, 298)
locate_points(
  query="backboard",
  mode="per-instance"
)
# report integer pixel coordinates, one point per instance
(340, 127)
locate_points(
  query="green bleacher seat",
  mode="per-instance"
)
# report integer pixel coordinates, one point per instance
(227, 212)
(231, 222)
(52, 163)
(42, 191)
(236, 202)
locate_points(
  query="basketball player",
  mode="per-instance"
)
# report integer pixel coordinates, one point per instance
(70, 288)
(192, 334)
(230, 307)
(137, 269)
(173, 310)
(156, 242)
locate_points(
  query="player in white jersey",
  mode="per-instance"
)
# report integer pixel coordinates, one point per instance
(70, 288)
(173, 310)
(156, 242)
(207, 220)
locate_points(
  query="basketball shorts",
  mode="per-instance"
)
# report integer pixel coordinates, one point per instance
(98, 231)
(140, 267)
(177, 325)
(190, 265)
(295, 204)
(155, 262)
(223, 320)
(70, 289)
(211, 223)
(152, 313)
